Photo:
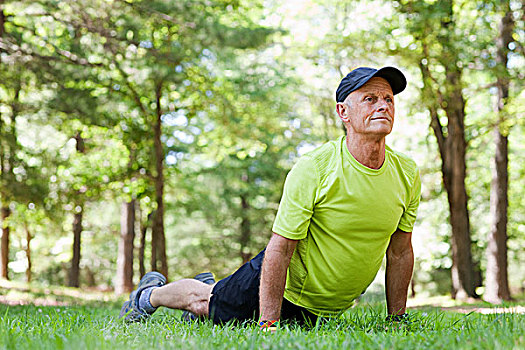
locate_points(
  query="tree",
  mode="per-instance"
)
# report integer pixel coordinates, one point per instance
(19, 181)
(124, 279)
(8, 149)
(166, 41)
(39, 68)
(436, 32)
(144, 58)
(497, 286)
(74, 271)
(234, 177)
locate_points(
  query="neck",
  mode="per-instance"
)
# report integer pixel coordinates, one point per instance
(368, 151)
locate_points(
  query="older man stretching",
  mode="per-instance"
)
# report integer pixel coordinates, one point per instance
(344, 205)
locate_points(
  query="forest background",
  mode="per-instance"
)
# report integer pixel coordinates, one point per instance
(140, 135)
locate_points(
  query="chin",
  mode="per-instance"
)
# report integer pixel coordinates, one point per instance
(382, 131)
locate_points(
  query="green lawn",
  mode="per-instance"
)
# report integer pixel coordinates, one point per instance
(95, 326)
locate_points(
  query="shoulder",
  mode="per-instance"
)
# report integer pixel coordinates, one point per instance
(403, 162)
(327, 148)
(323, 156)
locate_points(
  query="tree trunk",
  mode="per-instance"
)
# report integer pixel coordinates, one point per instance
(158, 241)
(2, 20)
(154, 234)
(497, 285)
(246, 231)
(142, 247)
(29, 237)
(124, 279)
(90, 277)
(413, 288)
(7, 152)
(74, 272)
(454, 179)
(5, 241)
(5, 212)
(158, 235)
(454, 176)
(452, 148)
(448, 97)
(454, 163)
(4, 245)
(245, 225)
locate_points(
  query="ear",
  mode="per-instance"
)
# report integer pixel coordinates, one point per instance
(342, 111)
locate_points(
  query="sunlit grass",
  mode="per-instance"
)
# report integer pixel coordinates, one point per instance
(15, 293)
(90, 322)
(364, 327)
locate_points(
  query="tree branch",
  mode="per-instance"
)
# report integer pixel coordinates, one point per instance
(435, 123)
(134, 92)
(63, 55)
(150, 10)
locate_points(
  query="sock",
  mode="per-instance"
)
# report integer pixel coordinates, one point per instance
(144, 303)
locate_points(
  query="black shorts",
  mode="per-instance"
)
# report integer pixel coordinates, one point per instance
(236, 297)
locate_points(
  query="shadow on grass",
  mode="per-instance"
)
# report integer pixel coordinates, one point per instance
(18, 293)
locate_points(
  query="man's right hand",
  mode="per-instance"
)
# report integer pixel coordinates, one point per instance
(277, 257)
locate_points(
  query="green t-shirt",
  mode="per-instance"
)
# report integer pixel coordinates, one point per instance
(343, 215)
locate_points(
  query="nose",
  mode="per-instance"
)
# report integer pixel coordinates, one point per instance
(382, 105)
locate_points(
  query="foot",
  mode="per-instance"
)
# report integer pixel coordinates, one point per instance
(205, 277)
(130, 309)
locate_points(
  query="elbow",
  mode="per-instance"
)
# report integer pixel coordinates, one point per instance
(405, 255)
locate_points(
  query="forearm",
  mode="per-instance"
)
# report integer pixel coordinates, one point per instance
(273, 277)
(398, 274)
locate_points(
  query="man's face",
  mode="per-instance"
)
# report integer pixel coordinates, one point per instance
(370, 109)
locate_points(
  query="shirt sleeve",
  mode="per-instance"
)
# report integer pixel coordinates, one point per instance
(409, 216)
(298, 200)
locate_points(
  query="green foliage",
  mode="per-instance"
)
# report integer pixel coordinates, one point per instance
(243, 88)
(105, 71)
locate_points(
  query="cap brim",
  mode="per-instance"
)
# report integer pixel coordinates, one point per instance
(395, 78)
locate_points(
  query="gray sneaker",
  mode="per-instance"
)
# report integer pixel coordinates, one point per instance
(205, 277)
(130, 309)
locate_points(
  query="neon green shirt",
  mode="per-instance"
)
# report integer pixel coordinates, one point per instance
(343, 215)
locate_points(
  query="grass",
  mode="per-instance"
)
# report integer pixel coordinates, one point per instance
(81, 319)
(97, 327)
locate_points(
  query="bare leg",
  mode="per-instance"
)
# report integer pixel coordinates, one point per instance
(185, 294)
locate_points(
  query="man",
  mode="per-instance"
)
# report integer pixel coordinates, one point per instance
(344, 206)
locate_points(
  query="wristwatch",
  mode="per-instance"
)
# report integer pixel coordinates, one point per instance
(269, 325)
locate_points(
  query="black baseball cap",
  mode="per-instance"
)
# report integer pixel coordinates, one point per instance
(359, 76)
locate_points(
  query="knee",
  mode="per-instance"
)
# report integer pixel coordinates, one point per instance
(199, 307)
(198, 298)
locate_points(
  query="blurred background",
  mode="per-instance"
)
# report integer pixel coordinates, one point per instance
(156, 135)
